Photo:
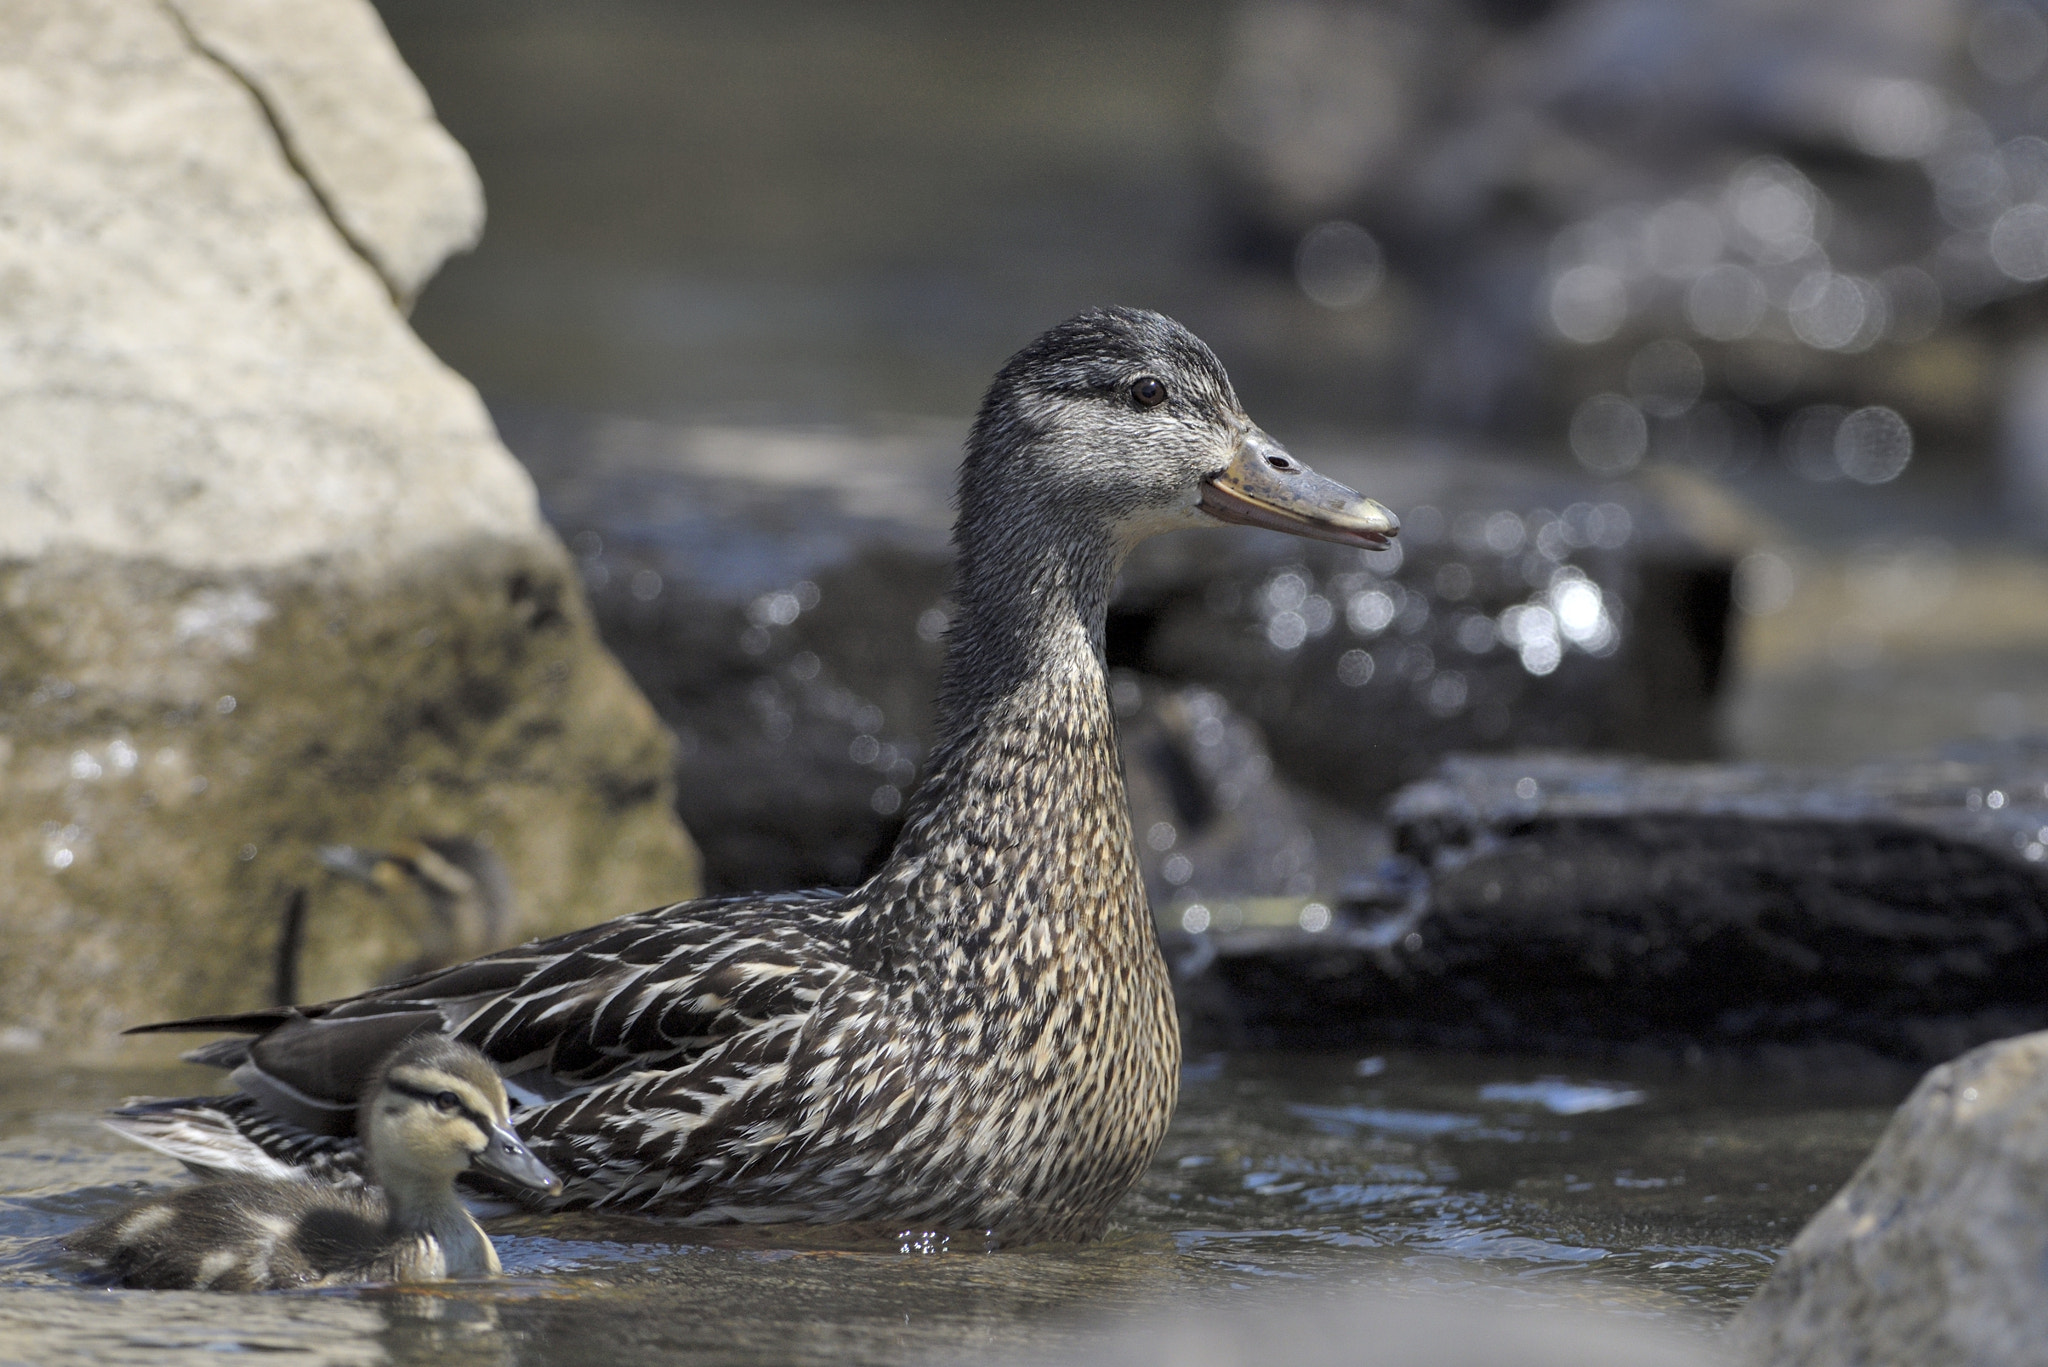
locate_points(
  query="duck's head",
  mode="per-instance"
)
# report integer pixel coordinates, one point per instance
(439, 1109)
(1122, 421)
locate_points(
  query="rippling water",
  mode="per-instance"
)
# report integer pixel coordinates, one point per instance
(1661, 1191)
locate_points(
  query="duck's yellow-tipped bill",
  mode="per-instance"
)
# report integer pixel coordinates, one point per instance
(1263, 486)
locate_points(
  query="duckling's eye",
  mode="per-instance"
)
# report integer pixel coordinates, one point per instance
(1148, 392)
(448, 1102)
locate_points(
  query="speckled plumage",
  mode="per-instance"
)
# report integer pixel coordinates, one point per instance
(253, 1234)
(982, 1036)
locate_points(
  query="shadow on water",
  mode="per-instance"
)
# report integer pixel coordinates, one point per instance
(1665, 1191)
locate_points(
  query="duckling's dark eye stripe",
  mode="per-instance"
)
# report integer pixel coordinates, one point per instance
(433, 1097)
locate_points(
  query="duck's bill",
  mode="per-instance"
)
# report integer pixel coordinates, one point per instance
(1263, 486)
(351, 861)
(507, 1157)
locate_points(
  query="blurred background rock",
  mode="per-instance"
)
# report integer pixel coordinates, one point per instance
(1694, 340)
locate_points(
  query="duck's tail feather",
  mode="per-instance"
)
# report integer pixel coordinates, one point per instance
(229, 1053)
(247, 1022)
(227, 1136)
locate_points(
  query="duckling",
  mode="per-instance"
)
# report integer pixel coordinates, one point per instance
(436, 1110)
(468, 890)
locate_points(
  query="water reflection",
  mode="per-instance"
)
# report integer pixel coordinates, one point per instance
(1561, 1097)
(52, 1325)
(433, 1325)
(1505, 551)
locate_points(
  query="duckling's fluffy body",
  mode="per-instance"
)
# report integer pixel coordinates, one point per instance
(251, 1234)
(983, 1035)
(437, 1108)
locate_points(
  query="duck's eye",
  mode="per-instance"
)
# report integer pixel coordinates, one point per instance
(1148, 392)
(448, 1102)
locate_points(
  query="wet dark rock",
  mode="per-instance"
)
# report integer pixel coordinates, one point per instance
(796, 769)
(1901, 908)
(1935, 1251)
(790, 630)
(1240, 864)
(1518, 609)
(780, 597)
(1218, 828)
(1660, 229)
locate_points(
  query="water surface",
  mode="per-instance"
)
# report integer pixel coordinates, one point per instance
(1659, 1191)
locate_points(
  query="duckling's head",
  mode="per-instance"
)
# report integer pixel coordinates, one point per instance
(439, 1109)
(466, 885)
(451, 871)
(1120, 423)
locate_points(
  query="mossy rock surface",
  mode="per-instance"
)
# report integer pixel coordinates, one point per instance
(175, 746)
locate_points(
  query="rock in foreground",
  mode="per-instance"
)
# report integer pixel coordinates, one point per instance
(1391, 1327)
(1937, 1250)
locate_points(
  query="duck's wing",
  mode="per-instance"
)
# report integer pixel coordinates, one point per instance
(558, 1016)
(724, 1136)
(232, 1136)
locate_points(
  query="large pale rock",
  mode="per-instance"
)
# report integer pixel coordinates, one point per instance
(193, 364)
(355, 123)
(1937, 1250)
(267, 578)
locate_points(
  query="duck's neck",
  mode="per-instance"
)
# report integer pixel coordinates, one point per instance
(1017, 849)
(420, 1205)
(1029, 621)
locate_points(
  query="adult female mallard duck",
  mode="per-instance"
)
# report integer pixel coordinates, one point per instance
(435, 1109)
(982, 1035)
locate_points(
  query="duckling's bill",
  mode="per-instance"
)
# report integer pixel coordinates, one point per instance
(353, 862)
(1263, 486)
(507, 1156)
